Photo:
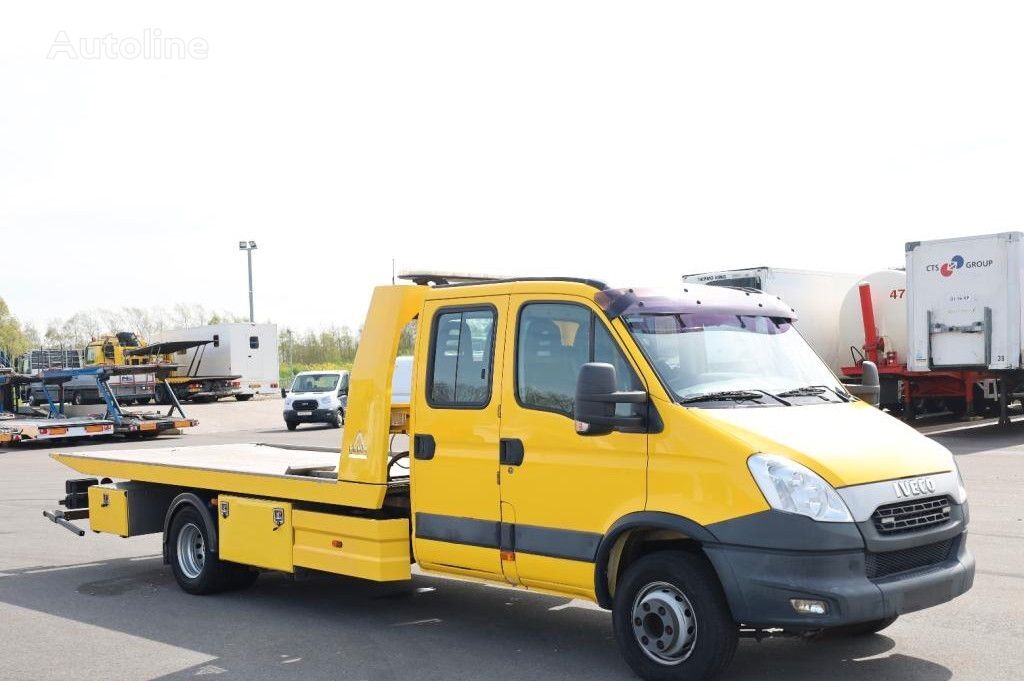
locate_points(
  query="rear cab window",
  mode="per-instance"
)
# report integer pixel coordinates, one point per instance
(461, 357)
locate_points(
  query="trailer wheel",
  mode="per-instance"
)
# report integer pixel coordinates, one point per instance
(196, 569)
(243, 398)
(671, 620)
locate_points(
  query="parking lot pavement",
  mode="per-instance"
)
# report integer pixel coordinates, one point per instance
(100, 607)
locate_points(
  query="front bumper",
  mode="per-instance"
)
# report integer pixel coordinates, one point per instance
(759, 581)
(317, 416)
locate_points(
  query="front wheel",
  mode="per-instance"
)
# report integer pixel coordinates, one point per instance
(338, 420)
(671, 620)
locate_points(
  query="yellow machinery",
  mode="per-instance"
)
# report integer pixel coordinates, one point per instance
(681, 458)
(126, 348)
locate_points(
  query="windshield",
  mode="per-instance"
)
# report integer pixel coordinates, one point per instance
(315, 383)
(698, 354)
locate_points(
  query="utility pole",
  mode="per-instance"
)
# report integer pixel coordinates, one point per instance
(249, 247)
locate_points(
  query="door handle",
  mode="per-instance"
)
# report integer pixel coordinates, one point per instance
(510, 451)
(423, 446)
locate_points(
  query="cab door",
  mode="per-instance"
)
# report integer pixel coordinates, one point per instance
(454, 448)
(563, 490)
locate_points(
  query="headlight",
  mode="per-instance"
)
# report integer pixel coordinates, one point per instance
(287, 401)
(325, 401)
(791, 487)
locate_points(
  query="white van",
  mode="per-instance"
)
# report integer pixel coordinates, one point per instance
(317, 397)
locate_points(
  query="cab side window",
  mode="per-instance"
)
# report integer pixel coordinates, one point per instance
(553, 341)
(461, 358)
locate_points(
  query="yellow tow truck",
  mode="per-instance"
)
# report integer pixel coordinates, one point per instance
(681, 458)
(187, 384)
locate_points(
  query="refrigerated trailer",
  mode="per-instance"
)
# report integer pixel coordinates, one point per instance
(816, 296)
(245, 350)
(964, 300)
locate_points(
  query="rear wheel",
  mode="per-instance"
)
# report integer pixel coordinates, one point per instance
(671, 619)
(243, 398)
(196, 569)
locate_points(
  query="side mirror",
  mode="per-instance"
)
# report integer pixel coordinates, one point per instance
(596, 397)
(870, 388)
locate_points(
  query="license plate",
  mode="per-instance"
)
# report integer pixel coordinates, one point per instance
(304, 413)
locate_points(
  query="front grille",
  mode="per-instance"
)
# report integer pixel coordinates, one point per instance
(893, 562)
(907, 516)
(304, 405)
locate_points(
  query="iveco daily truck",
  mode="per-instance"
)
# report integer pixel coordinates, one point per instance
(681, 458)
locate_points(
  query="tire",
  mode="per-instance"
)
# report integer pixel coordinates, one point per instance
(243, 398)
(292, 425)
(656, 595)
(860, 629)
(338, 420)
(197, 570)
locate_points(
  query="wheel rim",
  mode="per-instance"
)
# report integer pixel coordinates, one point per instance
(664, 623)
(191, 551)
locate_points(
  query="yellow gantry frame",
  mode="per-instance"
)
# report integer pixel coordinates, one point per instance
(362, 467)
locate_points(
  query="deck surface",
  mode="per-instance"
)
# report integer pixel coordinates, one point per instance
(231, 458)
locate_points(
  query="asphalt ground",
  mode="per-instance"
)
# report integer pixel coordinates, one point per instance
(100, 607)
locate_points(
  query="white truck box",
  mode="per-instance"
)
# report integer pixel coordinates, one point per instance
(964, 302)
(242, 349)
(816, 297)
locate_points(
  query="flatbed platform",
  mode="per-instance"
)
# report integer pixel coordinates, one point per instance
(301, 474)
(251, 458)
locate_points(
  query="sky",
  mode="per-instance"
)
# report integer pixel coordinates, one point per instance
(631, 142)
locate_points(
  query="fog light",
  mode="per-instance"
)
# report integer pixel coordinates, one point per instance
(808, 607)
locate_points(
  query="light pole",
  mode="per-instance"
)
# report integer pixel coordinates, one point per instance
(249, 247)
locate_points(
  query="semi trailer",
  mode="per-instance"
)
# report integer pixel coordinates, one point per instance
(24, 422)
(681, 458)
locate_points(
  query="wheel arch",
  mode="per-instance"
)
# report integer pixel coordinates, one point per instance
(183, 500)
(658, 525)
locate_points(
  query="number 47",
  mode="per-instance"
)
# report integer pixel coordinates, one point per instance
(897, 293)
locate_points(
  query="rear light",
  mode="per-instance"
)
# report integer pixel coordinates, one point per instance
(194, 387)
(236, 384)
(275, 386)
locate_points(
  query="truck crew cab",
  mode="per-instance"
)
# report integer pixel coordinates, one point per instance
(682, 458)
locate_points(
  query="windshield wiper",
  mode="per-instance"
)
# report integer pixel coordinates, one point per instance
(735, 395)
(813, 391)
